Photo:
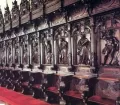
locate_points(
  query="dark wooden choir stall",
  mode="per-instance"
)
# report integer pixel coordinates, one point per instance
(64, 52)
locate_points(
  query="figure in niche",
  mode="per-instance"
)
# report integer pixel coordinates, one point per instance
(3, 56)
(25, 54)
(48, 52)
(9, 55)
(63, 51)
(16, 54)
(83, 47)
(111, 47)
(35, 53)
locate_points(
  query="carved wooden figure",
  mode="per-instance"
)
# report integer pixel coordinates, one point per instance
(24, 50)
(81, 39)
(34, 42)
(47, 47)
(61, 38)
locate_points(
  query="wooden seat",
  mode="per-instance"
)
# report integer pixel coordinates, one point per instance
(101, 101)
(36, 85)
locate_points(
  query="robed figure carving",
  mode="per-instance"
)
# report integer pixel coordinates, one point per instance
(63, 51)
(83, 47)
(25, 54)
(48, 49)
(35, 53)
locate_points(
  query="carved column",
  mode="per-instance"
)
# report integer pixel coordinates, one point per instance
(30, 49)
(93, 52)
(52, 38)
(41, 48)
(55, 53)
(69, 46)
(39, 51)
(13, 50)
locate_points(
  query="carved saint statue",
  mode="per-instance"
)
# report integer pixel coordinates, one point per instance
(9, 55)
(16, 54)
(83, 50)
(111, 47)
(35, 53)
(25, 54)
(48, 48)
(63, 51)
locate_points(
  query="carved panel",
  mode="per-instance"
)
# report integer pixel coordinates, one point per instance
(79, 85)
(24, 50)
(52, 5)
(34, 41)
(108, 28)
(37, 8)
(81, 42)
(1, 21)
(24, 11)
(106, 5)
(46, 39)
(15, 14)
(9, 51)
(43, 25)
(77, 11)
(68, 2)
(61, 44)
(7, 18)
(108, 89)
(16, 50)
(58, 18)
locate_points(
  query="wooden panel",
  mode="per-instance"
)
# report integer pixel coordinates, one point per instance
(106, 5)
(25, 18)
(15, 23)
(68, 2)
(37, 13)
(52, 5)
